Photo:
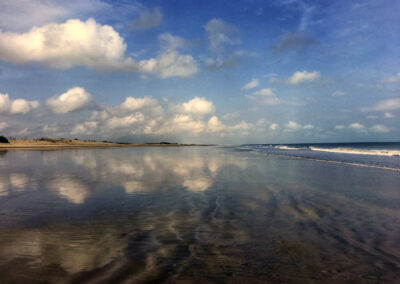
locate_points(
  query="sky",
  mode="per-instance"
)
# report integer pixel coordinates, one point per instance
(250, 71)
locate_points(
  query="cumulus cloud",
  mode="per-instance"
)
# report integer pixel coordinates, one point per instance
(393, 79)
(138, 118)
(264, 96)
(301, 77)
(293, 126)
(340, 127)
(220, 34)
(74, 99)
(73, 43)
(185, 123)
(125, 121)
(252, 84)
(173, 64)
(77, 43)
(198, 106)
(147, 20)
(87, 127)
(274, 126)
(18, 106)
(356, 126)
(384, 105)
(378, 128)
(293, 41)
(215, 125)
(21, 106)
(5, 103)
(133, 104)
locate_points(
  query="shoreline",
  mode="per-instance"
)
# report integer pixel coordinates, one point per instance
(20, 144)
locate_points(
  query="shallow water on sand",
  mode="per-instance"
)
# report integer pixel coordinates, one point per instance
(194, 214)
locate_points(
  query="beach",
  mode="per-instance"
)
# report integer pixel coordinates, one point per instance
(194, 215)
(50, 143)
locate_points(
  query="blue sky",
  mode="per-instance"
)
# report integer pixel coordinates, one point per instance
(201, 71)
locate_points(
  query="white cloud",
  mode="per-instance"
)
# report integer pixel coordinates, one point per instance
(388, 115)
(337, 94)
(379, 128)
(148, 20)
(73, 43)
(5, 103)
(74, 99)
(215, 125)
(170, 41)
(18, 106)
(21, 106)
(340, 127)
(125, 121)
(133, 104)
(220, 34)
(293, 126)
(185, 123)
(198, 106)
(274, 126)
(264, 96)
(356, 126)
(393, 79)
(173, 64)
(3, 126)
(87, 128)
(384, 105)
(13, 14)
(301, 77)
(77, 43)
(142, 118)
(252, 84)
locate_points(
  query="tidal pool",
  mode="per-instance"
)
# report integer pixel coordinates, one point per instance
(194, 215)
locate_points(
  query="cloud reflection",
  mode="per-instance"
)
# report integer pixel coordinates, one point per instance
(144, 170)
(70, 188)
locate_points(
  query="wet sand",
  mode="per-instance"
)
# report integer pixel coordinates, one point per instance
(194, 215)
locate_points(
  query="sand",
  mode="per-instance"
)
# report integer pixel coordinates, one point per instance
(66, 143)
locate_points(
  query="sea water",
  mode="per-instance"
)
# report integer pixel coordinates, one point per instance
(197, 215)
(385, 155)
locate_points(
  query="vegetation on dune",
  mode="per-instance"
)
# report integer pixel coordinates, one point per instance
(3, 139)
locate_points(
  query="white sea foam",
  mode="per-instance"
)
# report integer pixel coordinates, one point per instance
(282, 147)
(359, 151)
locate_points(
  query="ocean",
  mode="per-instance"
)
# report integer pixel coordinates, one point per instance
(371, 154)
(249, 213)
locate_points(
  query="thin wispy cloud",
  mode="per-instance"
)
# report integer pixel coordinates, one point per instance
(293, 42)
(252, 84)
(147, 20)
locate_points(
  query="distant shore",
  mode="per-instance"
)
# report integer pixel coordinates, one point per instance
(50, 143)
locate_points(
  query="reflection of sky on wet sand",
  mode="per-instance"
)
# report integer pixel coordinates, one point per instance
(194, 214)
